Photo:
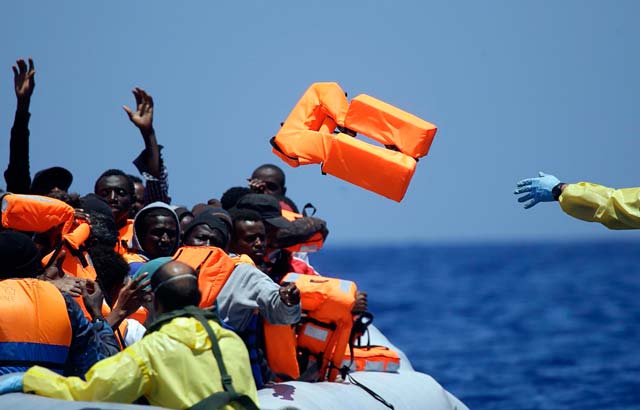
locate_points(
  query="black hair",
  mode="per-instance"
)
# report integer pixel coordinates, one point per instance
(243, 215)
(232, 195)
(117, 173)
(271, 167)
(111, 268)
(177, 294)
(103, 228)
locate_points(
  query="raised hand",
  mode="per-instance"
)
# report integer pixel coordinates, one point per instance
(537, 189)
(24, 80)
(143, 116)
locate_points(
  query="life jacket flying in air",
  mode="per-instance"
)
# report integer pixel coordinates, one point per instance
(307, 137)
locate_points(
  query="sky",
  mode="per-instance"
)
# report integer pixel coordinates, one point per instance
(515, 87)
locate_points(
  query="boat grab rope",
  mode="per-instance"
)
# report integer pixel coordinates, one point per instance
(368, 390)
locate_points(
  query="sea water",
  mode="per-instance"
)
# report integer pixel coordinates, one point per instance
(509, 326)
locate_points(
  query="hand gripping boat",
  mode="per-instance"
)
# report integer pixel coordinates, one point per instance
(307, 137)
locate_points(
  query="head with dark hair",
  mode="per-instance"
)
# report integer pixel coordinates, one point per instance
(156, 230)
(115, 187)
(19, 255)
(175, 286)
(207, 229)
(274, 179)
(232, 195)
(248, 235)
(111, 270)
(138, 195)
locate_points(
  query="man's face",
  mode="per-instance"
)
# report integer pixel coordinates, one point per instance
(115, 190)
(203, 235)
(160, 236)
(274, 185)
(249, 239)
(138, 198)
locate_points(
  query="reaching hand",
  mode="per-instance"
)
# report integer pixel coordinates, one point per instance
(24, 79)
(143, 117)
(133, 295)
(536, 189)
(289, 294)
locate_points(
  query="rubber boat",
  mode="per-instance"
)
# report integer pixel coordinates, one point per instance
(406, 389)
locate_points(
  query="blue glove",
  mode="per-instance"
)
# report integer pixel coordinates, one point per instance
(11, 383)
(537, 189)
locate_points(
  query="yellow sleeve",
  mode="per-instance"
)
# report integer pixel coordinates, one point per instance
(614, 208)
(121, 378)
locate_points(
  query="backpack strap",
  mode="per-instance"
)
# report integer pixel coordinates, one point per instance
(220, 399)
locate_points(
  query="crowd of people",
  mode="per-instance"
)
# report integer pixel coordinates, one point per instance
(120, 295)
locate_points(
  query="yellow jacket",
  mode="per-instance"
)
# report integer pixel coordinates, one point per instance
(614, 208)
(173, 367)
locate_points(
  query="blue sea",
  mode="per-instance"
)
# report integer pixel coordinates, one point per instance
(509, 326)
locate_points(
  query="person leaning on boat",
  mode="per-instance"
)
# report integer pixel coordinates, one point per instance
(613, 208)
(175, 365)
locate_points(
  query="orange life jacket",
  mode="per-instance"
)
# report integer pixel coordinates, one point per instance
(77, 262)
(306, 137)
(34, 325)
(213, 267)
(34, 213)
(372, 359)
(125, 237)
(313, 244)
(325, 329)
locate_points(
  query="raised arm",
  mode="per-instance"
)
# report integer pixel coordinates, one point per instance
(17, 174)
(149, 163)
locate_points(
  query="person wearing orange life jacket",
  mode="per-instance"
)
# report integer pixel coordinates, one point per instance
(247, 292)
(40, 325)
(117, 189)
(248, 240)
(123, 298)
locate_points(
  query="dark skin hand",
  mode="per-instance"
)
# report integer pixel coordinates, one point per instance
(24, 81)
(132, 295)
(290, 294)
(93, 299)
(65, 283)
(142, 118)
(361, 303)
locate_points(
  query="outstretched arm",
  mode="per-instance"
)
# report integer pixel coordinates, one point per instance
(613, 208)
(149, 162)
(17, 174)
